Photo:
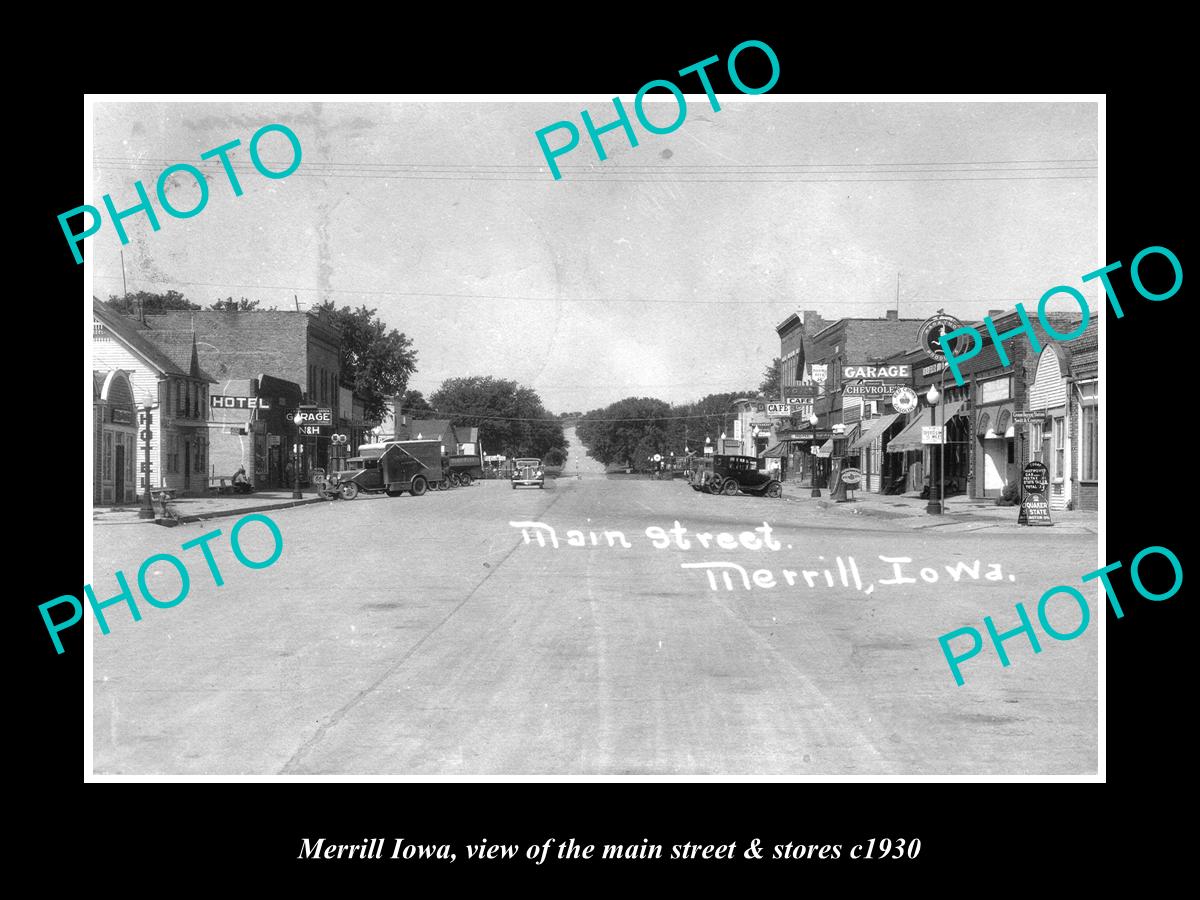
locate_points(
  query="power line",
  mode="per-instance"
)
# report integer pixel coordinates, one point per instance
(564, 167)
(606, 179)
(485, 416)
(491, 297)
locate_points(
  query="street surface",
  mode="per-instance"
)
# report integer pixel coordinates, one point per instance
(424, 635)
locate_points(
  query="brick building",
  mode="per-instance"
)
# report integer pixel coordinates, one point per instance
(298, 347)
(248, 427)
(808, 340)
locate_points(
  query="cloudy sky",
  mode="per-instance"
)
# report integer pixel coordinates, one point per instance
(661, 271)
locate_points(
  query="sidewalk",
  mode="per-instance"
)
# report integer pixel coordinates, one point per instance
(194, 509)
(961, 513)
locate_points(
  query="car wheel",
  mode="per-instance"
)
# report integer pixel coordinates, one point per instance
(730, 487)
(465, 479)
(392, 493)
(714, 485)
(541, 486)
(349, 490)
(774, 490)
(443, 485)
(419, 486)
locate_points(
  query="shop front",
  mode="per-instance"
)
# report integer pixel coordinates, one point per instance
(913, 471)
(996, 436)
(249, 429)
(880, 470)
(115, 436)
(1049, 433)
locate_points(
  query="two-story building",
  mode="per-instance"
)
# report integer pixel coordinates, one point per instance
(291, 346)
(164, 374)
(815, 354)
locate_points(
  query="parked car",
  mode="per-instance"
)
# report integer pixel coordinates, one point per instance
(734, 474)
(700, 474)
(392, 467)
(528, 472)
(465, 469)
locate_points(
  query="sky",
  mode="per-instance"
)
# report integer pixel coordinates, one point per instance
(661, 271)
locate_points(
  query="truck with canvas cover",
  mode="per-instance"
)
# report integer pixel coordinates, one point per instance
(411, 466)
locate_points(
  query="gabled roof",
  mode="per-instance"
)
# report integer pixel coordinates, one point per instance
(429, 429)
(466, 434)
(125, 331)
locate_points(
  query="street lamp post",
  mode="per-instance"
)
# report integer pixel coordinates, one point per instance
(296, 495)
(934, 506)
(814, 421)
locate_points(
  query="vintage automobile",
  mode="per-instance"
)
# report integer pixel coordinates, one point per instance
(464, 470)
(360, 474)
(528, 472)
(392, 467)
(699, 474)
(734, 474)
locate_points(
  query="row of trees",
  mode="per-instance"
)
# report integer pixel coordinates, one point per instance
(378, 361)
(631, 430)
(151, 303)
(510, 417)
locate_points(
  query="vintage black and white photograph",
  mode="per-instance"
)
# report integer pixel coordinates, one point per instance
(652, 436)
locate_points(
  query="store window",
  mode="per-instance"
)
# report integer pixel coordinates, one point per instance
(1060, 437)
(995, 390)
(108, 455)
(178, 398)
(1089, 434)
(1035, 441)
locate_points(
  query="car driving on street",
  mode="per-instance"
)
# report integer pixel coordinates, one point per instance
(528, 472)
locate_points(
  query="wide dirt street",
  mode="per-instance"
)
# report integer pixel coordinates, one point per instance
(427, 636)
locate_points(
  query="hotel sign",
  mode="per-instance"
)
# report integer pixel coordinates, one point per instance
(235, 402)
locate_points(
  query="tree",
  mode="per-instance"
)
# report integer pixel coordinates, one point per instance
(231, 305)
(415, 402)
(770, 383)
(132, 304)
(628, 431)
(511, 418)
(376, 361)
(555, 456)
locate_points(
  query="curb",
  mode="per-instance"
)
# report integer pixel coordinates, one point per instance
(217, 514)
(246, 510)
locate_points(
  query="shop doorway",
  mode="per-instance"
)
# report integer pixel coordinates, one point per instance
(187, 464)
(995, 467)
(119, 493)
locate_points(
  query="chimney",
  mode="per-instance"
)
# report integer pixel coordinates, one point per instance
(893, 315)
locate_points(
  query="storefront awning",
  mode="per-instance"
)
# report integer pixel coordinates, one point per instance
(777, 451)
(910, 437)
(875, 429)
(825, 450)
